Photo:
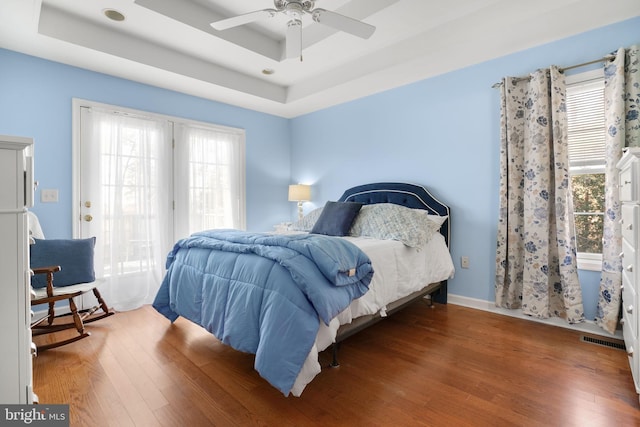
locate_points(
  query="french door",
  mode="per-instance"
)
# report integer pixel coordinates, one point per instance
(142, 181)
(124, 187)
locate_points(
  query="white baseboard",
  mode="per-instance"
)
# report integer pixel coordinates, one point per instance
(588, 326)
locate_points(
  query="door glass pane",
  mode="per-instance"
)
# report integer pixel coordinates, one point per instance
(214, 182)
(129, 168)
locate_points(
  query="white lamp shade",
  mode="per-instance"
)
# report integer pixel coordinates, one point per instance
(299, 193)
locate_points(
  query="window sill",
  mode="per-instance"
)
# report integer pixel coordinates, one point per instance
(591, 262)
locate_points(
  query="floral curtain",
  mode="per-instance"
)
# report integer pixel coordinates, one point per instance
(536, 267)
(622, 99)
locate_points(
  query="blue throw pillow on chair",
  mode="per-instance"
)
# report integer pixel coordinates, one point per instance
(74, 256)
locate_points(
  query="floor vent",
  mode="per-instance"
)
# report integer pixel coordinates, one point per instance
(605, 342)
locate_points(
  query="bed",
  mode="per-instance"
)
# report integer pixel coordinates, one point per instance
(383, 263)
(414, 197)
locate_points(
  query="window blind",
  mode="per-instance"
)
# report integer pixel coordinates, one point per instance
(585, 124)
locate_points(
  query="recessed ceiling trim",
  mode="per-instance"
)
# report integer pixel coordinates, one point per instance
(70, 28)
(198, 16)
(414, 39)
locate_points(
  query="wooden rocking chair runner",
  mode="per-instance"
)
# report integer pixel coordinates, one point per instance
(50, 295)
(67, 267)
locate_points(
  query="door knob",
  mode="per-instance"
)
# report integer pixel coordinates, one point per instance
(87, 204)
(88, 218)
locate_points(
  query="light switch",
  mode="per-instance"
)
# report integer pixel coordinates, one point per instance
(464, 261)
(49, 195)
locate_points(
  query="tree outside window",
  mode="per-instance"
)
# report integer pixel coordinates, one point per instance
(588, 207)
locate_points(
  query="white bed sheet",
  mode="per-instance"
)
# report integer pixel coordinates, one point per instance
(398, 271)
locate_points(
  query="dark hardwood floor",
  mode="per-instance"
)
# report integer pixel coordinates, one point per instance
(447, 366)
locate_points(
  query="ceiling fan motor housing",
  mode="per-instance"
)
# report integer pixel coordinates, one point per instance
(294, 6)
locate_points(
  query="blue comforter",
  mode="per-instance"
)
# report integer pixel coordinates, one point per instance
(263, 294)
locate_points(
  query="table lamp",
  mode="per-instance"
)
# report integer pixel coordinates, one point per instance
(299, 193)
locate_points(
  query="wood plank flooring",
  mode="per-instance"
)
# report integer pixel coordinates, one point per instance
(446, 366)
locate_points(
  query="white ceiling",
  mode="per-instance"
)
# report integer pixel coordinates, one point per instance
(170, 44)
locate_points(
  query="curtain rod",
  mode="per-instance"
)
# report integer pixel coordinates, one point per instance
(562, 70)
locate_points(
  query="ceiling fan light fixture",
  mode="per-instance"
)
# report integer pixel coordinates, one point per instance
(114, 15)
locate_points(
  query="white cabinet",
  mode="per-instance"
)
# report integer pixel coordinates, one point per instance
(16, 195)
(629, 167)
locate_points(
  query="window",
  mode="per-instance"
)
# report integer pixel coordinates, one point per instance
(586, 135)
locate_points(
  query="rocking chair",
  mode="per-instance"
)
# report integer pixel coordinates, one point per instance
(70, 262)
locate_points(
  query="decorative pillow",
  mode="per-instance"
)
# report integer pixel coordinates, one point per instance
(394, 222)
(74, 256)
(336, 218)
(308, 221)
(438, 219)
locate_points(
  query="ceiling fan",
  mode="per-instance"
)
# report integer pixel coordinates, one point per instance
(295, 9)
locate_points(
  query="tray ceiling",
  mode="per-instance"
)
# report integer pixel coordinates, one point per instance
(170, 43)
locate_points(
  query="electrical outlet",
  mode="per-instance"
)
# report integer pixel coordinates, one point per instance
(464, 261)
(49, 196)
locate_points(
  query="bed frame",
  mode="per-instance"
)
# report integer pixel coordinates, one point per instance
(412, 196)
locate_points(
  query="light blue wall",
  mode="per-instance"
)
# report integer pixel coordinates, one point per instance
(35, 101)
(442, 132)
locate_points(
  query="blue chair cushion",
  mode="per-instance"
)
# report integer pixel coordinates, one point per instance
(74, 256)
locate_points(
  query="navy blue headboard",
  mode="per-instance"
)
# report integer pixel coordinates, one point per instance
(400, 193)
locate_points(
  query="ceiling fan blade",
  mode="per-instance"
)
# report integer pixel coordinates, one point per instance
(293, 39)
(245, 18)
(343, 23)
